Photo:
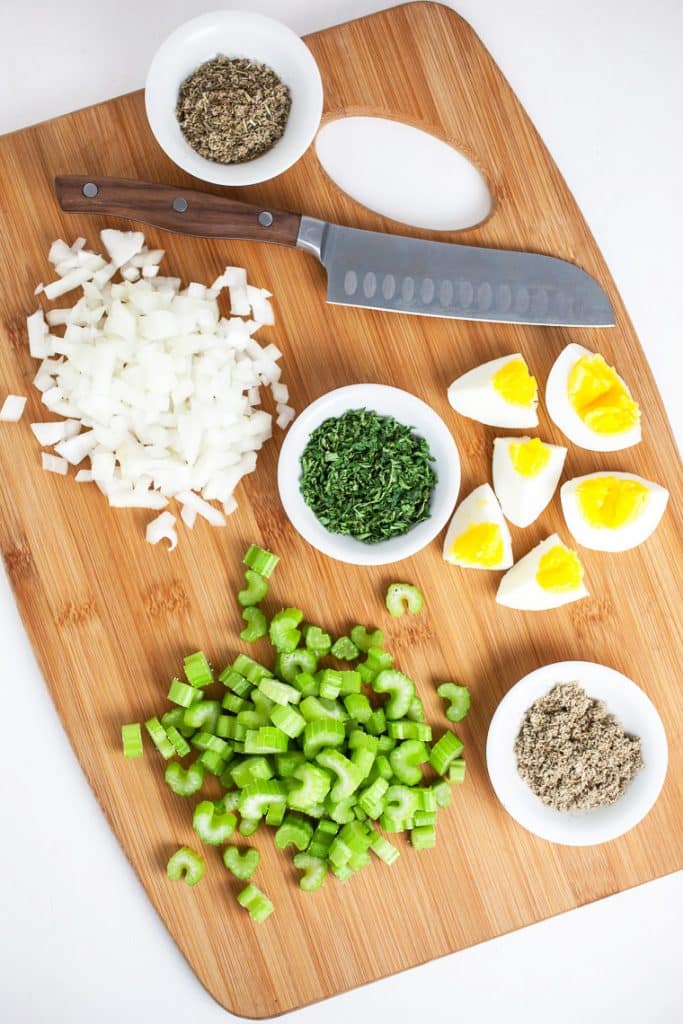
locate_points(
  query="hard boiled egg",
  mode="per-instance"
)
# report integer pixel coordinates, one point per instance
(501, 393)
(550, 575)
(612, 511)
(526, 472)
(478, 536)
(590, 403)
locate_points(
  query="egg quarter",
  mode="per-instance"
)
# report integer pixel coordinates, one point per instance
(498, 393)
(612, 511)
(525, 472)
(478, 536)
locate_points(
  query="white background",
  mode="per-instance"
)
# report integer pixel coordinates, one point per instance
(79, 942)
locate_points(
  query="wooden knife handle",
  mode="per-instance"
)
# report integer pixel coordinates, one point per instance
(172, 208)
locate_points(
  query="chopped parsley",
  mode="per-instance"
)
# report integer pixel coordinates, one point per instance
(367, 476)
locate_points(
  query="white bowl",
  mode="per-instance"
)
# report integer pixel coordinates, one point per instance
(629, 705)
(235, 34)
(386, 401)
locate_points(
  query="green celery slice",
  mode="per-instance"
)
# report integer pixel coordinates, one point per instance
(186, 864)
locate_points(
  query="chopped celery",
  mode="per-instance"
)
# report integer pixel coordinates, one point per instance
(314, 871)
(290, 664)
(256, 902)
(344, 649)
(241, 864)
(185, 781)
(256, 625)
(261, 561)
(159, 737)
(131, 736)
(212, 824)
(197, 669)
(317, 640)
(458, 698)
(403, 597)
(293, 831)
(364, 640)
(255, 590)
(444, 751)
(283, 633)
(400, 688)
(186, 864)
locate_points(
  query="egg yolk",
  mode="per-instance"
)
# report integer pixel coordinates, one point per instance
(599, 396)
(529, 457)
(559, 570)
(607, 501)
(514, 383)
(480, 544)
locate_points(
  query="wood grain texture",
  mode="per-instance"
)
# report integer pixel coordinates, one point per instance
(201, 214)
(110, 617)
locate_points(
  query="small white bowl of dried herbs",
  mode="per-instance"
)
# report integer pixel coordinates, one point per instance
(369, 474)
(234, 97)
(577, 753)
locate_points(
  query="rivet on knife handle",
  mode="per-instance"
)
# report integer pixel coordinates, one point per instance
(182, 210)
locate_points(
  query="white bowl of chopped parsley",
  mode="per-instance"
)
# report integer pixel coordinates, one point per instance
(234, 97)
(553, 744)
(369, 474)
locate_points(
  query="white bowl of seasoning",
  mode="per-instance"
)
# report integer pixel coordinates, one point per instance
(406, 409)
(234, 34)
(628, 704)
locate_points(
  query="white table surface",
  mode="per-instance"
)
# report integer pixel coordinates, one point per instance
(79, 941)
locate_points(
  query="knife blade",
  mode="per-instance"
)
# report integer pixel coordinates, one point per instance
(394, 273)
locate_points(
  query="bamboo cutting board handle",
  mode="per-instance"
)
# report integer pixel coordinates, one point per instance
(182, 210)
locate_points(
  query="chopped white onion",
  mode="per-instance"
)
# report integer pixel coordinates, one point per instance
(53, 464)
(84, 476)
(52, 433)
(162, 528)
(13, 408)
(188, 516)
(160, 390)
(122, 246)
(201, 507)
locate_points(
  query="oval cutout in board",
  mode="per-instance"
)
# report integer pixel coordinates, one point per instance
(403, 173)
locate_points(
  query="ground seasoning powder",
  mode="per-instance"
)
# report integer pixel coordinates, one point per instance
(232, 110)
(572, 753)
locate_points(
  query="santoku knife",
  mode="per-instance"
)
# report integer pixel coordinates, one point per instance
(367, 268)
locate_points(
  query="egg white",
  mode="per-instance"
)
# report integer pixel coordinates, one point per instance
(473, 395)
(523, 498)
(519, 588)
(623, 538)
(481, 506)
(563, 414)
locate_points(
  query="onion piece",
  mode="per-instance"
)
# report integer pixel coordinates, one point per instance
(122, 246)
(13, 408)
(53, 464)
(162, 528)
(202, 508)
(52, 433)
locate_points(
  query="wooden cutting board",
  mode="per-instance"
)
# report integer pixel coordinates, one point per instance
(110, 617)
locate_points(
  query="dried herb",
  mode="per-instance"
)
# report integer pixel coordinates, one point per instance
(367, 476)
(232, 110)
(572, 753)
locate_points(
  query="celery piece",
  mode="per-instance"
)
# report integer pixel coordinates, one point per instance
(256, 625)
(402, 597)
(131, 737)
(458, 698)
(256, 902)
(186, 864)
(241, 864)
(212, 824)
(261, 561)
(255, 590)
